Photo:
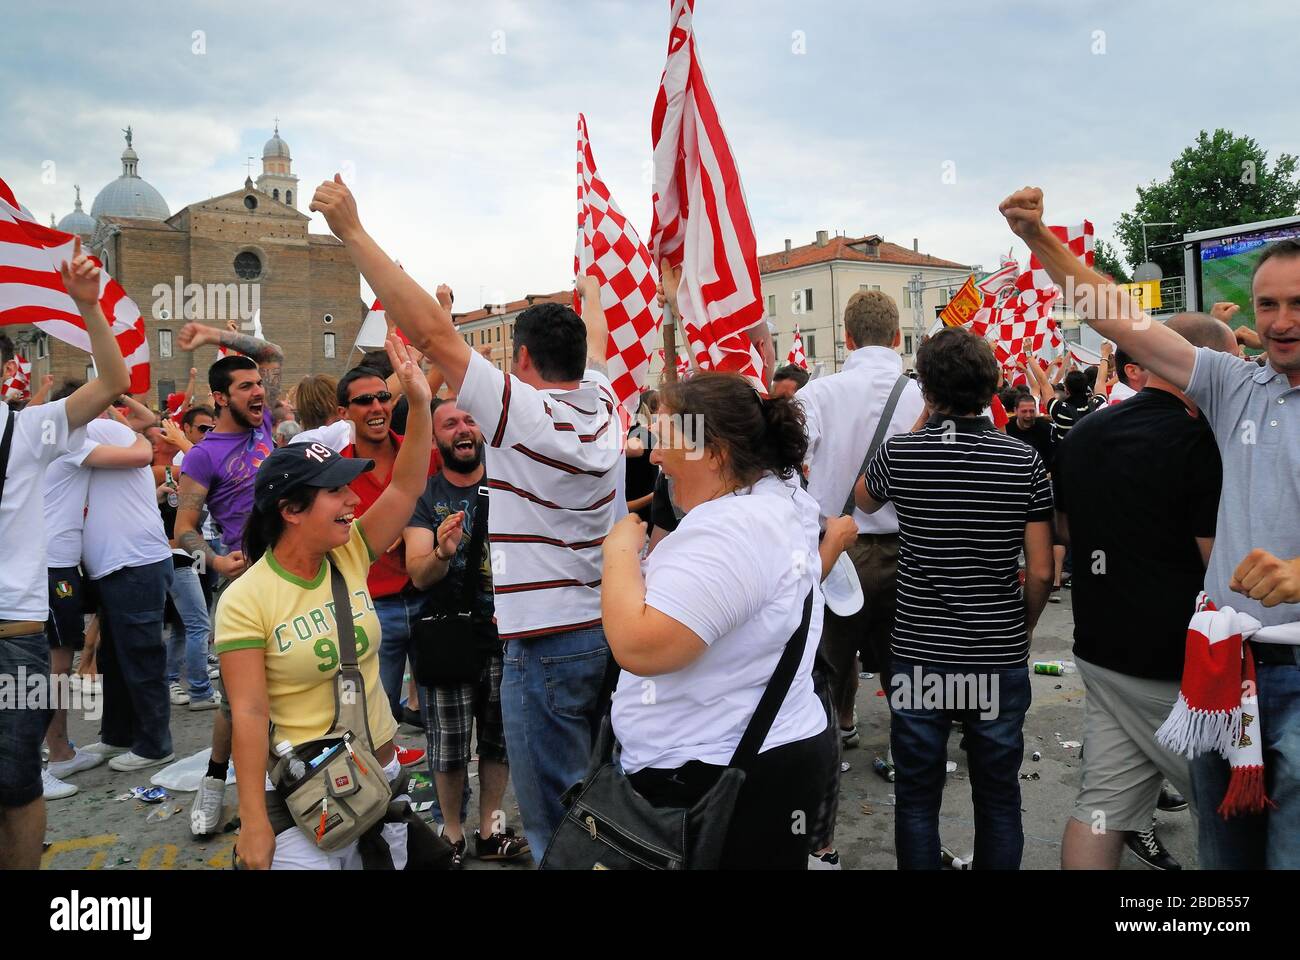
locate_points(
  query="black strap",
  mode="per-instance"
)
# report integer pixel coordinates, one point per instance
(5, 444)
(886, 416)
(777, 688)
(470, 574)
(343, 617)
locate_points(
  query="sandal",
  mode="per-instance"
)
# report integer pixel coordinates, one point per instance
(500, 846)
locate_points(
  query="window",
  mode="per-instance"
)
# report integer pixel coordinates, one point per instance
(164, 344)
(943, 296)
(809, 343)
(907, 296)
(875, 286)
(498, 334)
(771, 304)
(801, 301)
(907, 343)
(288, 197)
(165, 389)
(329, 318)
(275, 194)
(248, 265)
(90, 372)
(329, 346)
(42, 347)
(250, 202)
(868, 286)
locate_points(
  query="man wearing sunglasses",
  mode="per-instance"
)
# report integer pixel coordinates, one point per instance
(364, 399)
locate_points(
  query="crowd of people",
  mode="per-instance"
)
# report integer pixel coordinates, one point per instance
(523, 567)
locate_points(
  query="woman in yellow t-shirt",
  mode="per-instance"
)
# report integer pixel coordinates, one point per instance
(275, 629)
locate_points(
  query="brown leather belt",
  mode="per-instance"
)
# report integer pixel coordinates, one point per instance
(20, 628)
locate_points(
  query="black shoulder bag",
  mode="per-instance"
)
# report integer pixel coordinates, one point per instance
(609, 826)
(446, 648)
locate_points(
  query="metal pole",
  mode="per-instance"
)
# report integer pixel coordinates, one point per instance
(917, 285)
(670, 346)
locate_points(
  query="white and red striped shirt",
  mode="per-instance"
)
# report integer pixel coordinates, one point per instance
(553, 462)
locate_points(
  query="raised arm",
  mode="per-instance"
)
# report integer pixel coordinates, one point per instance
(139, 417)
(81, 280)
(1106, 307)
(191, 495)
(421, 317)
(268, 356)
(384, 521)
(593, 315)
(109, 456)
(429, 553)
(41, 395)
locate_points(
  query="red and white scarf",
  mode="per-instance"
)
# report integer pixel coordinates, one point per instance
(1218, 707)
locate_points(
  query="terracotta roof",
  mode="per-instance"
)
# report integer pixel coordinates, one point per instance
(514, 306)
(843, 248)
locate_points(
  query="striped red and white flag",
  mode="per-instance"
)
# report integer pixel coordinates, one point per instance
(796, 350)
(701, 223)
(609, 249)
(31, 289)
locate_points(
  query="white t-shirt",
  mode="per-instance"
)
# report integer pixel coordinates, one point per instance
(336, 435)
(66, 485)
(553, 462)
(736, 572)
(40, 434)
(123, 525)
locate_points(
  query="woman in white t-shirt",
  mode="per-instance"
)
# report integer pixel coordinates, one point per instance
(700, 635)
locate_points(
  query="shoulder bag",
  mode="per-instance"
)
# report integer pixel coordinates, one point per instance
(608, 825)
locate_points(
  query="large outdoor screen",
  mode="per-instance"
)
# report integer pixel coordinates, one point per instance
(1226, 263)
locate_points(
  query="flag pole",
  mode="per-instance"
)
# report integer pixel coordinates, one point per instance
(670, 346)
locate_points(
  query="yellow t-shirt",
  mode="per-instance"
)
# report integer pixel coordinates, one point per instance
(292, 620)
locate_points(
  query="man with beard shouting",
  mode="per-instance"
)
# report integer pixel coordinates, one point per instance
(438, 540)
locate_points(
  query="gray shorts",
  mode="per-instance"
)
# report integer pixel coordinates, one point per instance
(23, 719)
(1123, 766)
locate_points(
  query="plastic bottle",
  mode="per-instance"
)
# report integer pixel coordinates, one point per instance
(297, 769)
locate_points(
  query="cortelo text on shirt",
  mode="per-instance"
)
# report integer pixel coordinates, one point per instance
(554, 468)
(40, 434)
(841, 412)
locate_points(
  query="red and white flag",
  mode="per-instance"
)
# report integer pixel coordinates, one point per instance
(31, 289)
(610, 250)
(796, 351)
(18, 385)
(701, 223)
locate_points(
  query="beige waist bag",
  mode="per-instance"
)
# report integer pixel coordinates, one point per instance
(334, 788)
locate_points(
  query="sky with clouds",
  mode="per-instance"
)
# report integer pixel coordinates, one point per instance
(456, 122)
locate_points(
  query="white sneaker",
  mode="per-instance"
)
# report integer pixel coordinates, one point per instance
(179, 696)
(56, 789)
(211, 703)
(105, 749)
(132, 761)
(830, 860)
(81, 760)
(214, 673)
(205, 815)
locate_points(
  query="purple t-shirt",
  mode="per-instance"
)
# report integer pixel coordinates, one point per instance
(226, 464)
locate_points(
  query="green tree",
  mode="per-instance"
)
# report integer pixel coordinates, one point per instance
(1218, 181)
(1107, 261)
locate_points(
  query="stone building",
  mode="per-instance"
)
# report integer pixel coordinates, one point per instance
(244, 252)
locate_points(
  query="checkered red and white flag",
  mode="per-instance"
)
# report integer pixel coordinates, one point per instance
(18, 385)
(796, 350)
(610, 250)
(701, 223)
(31, 289)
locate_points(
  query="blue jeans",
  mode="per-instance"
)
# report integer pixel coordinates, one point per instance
(396, 612)
(22, 722)
(550, 688)
(133, 659)
(995, 748)
(190, 641)
(1270, 840)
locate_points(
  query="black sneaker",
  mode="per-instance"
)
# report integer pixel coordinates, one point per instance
(1171, 801)
(1146, 846)
(500, 846)
(411, 718)
(458, 854)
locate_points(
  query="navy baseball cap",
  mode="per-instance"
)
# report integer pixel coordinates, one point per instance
(303, 465)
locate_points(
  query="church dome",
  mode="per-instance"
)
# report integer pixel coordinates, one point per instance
(128, 195)
(275, 147)
(77, 221)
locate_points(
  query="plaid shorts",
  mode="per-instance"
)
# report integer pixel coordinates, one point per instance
(450, 713)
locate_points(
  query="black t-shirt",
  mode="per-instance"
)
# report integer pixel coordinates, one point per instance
(1139, 482)
(1038, 436)
(641, 473)
(661, 506)
(440, 500)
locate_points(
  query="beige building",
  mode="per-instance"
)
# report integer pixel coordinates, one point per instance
(810, 285)
(224, 258)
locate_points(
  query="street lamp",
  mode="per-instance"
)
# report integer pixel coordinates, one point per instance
(1147, 270)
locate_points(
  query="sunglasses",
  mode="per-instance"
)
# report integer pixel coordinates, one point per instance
(366, 399)
(206, 427)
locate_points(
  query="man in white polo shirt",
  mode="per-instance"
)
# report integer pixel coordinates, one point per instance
(35, 437)
(842, 413)
(554, 457)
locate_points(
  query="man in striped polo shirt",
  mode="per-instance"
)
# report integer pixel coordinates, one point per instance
(968, 499)
(553, 458)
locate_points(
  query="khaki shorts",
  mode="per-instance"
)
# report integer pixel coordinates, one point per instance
(1123, 766)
